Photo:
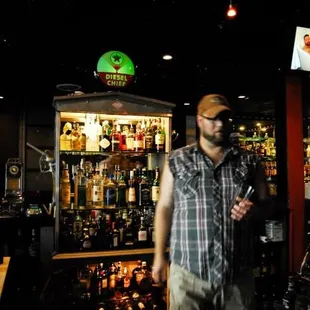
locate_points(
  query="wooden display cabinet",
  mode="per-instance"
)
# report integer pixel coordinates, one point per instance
(107, 135)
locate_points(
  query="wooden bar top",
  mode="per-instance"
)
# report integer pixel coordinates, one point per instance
(95, 254)
(3, 272)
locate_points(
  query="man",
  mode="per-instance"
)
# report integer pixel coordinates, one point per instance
(208, 223)
(306, 47)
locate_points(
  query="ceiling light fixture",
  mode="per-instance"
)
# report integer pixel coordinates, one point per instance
(187, 103)
(1, 97)
(232, 11)
(167, 57)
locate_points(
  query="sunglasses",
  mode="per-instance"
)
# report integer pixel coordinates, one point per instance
(222, 118)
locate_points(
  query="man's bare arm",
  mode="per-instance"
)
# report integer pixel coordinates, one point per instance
(163, 213)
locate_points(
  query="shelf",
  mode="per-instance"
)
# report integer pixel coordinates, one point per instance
(269, 158)
(251, 139)
(95, 254)
(104, 208)
(129, 153)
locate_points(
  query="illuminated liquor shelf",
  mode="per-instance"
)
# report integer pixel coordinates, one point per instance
(88, 153)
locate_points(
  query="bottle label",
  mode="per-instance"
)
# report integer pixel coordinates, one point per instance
(104, 283)
(121, 234)
(130, 144)
(86, 244)
(110, 196)
(149, 141)
(159, 139)
(115, 242)
(126, 282)
(138, 144)
(65, 193)
(142, 235)
(104, 143)
(91, 231)
(131, 194)
(112, 281)
(97, 193)
(144, 194)
(139, 277)
(155, 193)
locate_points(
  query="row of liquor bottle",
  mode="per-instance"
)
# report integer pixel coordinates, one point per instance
(296, 296)
(126, 229)
(137, 135)
(270, 167)
(92, 188)
(270, 280)
(263, 146)
(122, 285)
(307, 178)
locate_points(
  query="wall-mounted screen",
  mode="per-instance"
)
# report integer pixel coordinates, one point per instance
(301, 50)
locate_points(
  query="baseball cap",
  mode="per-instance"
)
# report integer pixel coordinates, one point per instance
(211, 105)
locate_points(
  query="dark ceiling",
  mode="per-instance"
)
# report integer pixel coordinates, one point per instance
(45, 43)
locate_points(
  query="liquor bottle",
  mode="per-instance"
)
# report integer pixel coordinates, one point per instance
(130, 139)
(144, 190)
(102, 306)
(150, 229)
(146, 281)
(115, 236)
(137, 274)
(138, 139)
(82, 138)
(104, 278)
(78, 227)
(110, 193)
(81, 181)
(65, 187)
(121, 192)
(85, 241)
(142, 234)
(129, 236)
(104, 139)
(115, 138)
(160, 138)
(155, 187)
(97, 189)
(128, 305)
(75, 136)
(85, 277)
(140, 305)
(93, 131)
(33, 248)
(305, 265)
(149, 137)
(127, 278)
(65, 138)
(112, 278)
(132, 199)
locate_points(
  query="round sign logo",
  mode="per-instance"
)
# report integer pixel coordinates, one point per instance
(115, 69)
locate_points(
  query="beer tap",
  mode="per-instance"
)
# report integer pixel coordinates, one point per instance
(47, 164)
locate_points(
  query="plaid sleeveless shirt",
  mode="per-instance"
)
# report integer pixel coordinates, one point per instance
(204, 239)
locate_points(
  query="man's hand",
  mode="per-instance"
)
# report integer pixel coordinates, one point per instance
(241, 208)
(160, 269)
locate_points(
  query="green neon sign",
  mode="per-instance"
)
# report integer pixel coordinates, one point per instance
(115, 69)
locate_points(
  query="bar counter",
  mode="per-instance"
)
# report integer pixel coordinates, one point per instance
(3, 272)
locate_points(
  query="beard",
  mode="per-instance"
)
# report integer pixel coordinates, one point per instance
(217, 139)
